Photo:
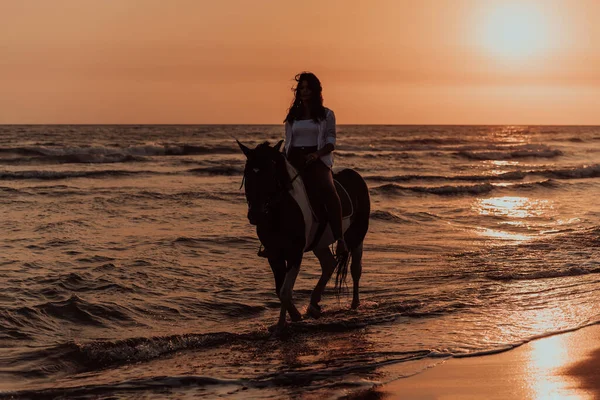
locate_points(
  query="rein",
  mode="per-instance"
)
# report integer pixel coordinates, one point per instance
(274, 199)
(291, 180)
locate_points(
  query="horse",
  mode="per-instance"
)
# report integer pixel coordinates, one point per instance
(272, 188)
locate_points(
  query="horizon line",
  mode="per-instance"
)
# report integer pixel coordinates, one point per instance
(272, 124)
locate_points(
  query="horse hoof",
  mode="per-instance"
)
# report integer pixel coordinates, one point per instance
(278, 330)
(313, 311)
(355, 305)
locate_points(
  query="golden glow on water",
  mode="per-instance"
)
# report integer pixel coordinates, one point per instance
(546, 359)
(502, 163)
(503, 235)
(510, 134)
(544, 369)
(512, 207)
(500, 167)
(516, 212)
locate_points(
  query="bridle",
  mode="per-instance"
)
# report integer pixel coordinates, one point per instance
(275, 198)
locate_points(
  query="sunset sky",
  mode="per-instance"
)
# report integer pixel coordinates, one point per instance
(233, 61)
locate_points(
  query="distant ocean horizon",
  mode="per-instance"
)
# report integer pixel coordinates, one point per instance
(130, 268)
(281, 123)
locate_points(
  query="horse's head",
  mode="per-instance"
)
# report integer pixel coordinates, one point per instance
(262, 179)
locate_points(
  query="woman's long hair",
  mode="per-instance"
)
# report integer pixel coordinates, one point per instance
(317, 111)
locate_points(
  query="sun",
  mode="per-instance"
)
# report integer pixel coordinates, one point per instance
(514, 31)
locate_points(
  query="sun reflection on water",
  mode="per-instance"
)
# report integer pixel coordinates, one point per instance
(543, 368)
(516, 211)
(503, 235)
(513, 207)
(511, 134)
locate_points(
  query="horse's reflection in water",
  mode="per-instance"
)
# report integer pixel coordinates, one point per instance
(281, 227)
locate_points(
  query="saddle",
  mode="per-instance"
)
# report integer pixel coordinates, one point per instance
(317, 231)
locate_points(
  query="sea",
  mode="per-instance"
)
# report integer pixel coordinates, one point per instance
(129, 268)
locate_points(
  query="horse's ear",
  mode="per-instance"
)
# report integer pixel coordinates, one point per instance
(278, 145)
(244, 148)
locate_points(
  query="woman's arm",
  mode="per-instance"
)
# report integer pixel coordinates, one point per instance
(328, 148)
(288, 138)
(330, 136)
(330, 133)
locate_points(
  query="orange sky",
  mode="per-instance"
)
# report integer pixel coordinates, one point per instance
(232, 61)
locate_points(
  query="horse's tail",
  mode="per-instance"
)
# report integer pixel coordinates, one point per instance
(355, 234)
(341, 270)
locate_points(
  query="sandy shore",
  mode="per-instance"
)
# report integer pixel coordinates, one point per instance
(564, 366)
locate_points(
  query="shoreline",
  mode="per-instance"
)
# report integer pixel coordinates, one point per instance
(561, 366)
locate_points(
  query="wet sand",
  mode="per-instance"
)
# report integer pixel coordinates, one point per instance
(563, 366)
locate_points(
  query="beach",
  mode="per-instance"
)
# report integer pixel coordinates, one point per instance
(562, 366)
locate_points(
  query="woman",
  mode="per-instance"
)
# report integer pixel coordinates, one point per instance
(309, 143)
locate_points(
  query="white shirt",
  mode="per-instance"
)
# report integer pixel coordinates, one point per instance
(305, 133)
(326, 135)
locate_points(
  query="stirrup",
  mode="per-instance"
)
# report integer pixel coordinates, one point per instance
(262, 252)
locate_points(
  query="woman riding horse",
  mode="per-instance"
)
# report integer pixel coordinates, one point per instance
(309, 143)
(273, 205)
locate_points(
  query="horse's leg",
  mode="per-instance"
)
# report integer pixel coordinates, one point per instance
(277, 264)
(287, 290)
(327, 262)
(356, 271)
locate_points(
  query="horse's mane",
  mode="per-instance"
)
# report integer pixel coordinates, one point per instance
(266, 148)
(264, 145)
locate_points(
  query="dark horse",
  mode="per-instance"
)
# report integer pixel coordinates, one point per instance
(280, 226)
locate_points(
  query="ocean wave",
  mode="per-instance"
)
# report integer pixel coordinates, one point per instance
(217, 170)
(222, 239)
(103, 354)
(308, 378)
(73, 159)
(74, 282)
(388, 155)
(510, 154)
(456, 190)
(546, 274)
(73, 358)
(573, 254)
(48, 316)
(57, 175)
(127, 386)
(290, 379)
(61, 226)
(586, 171)
(78, 310)
(422, 141)
(12, 190)
(183, 196)
(104, 154)
(513, 175)
(388, 216)
(448, 190)
(405, 217)
(547, 183)
(298, 375)
(579, 172)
